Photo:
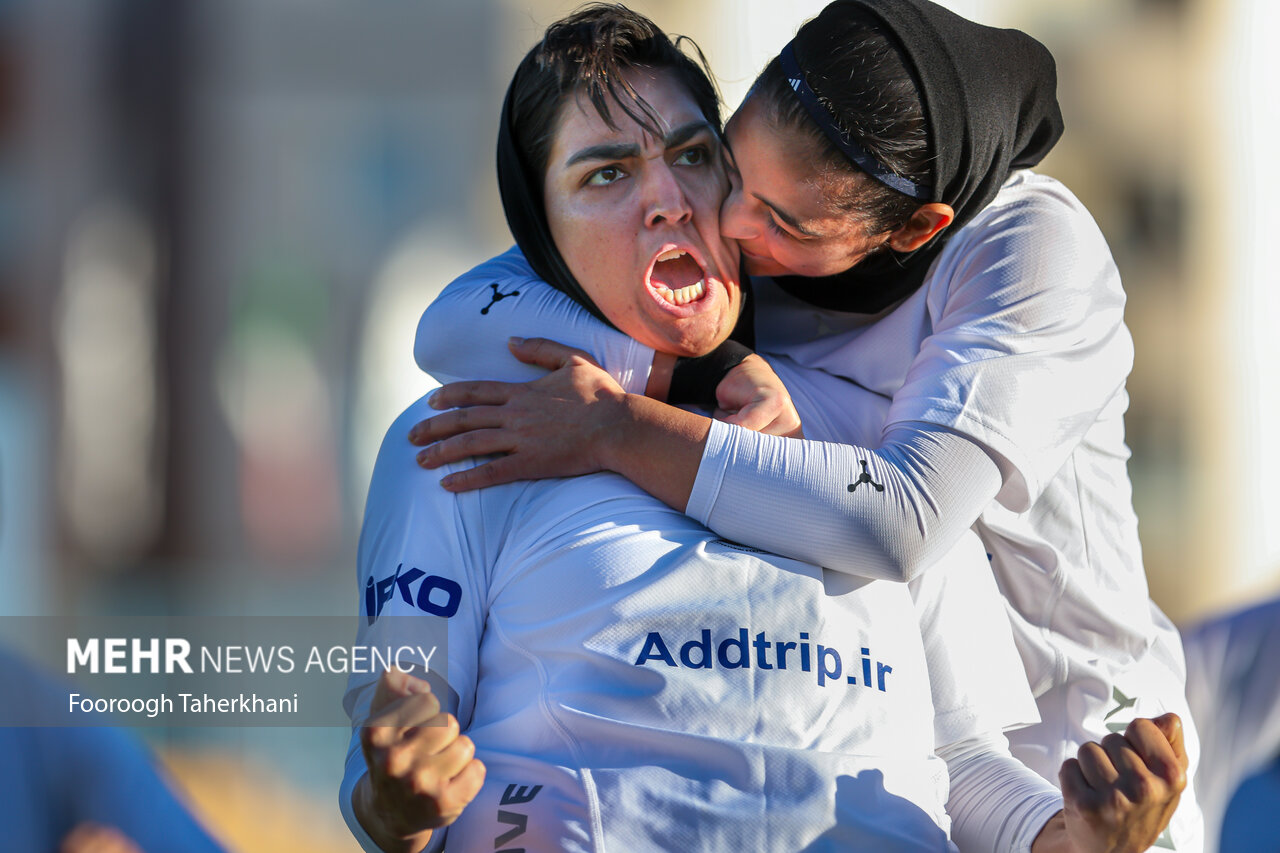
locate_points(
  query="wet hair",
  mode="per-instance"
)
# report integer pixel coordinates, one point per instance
(587, 53)
(860, 76)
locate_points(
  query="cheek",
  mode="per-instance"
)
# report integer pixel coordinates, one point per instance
(705, 193)
(597, 250)
(785, 256)
(778, 246)
(816, 262)
(577, 231)
(788, 251)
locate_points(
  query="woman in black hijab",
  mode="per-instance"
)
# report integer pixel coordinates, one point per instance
(898, 239)
(907, 119)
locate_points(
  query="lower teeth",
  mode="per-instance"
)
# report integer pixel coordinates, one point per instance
(684, 295)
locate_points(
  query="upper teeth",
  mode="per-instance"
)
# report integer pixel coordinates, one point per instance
(671, 255)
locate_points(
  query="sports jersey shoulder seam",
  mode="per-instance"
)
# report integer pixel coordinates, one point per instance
(489, 560)
(492, 547)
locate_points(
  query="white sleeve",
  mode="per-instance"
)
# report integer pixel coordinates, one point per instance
(1027, 346)
(979, 689)
(463, 333)
(996, 802)
(424, 563)
(1028, 342)
(887, 513)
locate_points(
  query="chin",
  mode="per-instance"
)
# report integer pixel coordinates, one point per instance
(694, 343)
(693, 334)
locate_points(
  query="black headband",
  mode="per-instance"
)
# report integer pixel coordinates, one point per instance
(839, 136)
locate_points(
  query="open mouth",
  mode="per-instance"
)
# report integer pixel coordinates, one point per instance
(677, 277)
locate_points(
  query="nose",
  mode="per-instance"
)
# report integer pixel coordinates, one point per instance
(666, 201)
(735, 220)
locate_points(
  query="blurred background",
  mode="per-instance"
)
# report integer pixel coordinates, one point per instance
(220, 220)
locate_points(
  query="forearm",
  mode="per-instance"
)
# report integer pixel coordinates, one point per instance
(814, 501)
(657, 447)
(997, 803)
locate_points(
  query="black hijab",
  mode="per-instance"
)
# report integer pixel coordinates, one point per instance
(522, 202)
(990, 106)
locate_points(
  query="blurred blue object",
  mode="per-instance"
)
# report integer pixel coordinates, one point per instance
(1233, 688)
(55, 779)
(1250, 822)
(24, 573)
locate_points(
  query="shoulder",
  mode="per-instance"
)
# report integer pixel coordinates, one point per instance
(1034, 239)
(410, 518)
(1036, 212)
(463, 333)
(506, 272)
(400, 487)
(487, 289)
(395, 448)
(1030, 195)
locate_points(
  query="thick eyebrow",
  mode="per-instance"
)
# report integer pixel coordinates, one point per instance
(614, 151)
(680, 135)
(784, 216)
(624, 150)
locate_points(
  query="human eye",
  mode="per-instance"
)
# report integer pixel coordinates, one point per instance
(779, 230)
(695, 156)
(605, 175)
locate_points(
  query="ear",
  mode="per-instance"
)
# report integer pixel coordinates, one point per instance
(927, 221)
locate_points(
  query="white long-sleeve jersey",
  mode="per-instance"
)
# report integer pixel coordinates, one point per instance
(633, 682)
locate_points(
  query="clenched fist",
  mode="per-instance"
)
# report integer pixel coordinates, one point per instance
(1119, 794)
(422, 771)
